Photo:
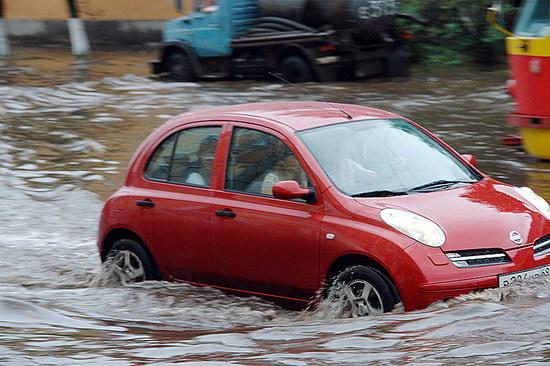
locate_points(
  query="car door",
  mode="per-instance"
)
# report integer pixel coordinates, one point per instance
(262, 244)
(179, 213)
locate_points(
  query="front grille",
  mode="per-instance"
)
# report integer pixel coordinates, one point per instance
(542, 246)
(478, 257)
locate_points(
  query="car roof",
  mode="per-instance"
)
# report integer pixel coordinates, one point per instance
(294, 115)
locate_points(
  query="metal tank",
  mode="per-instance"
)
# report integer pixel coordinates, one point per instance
(367, 19)
(289, 9)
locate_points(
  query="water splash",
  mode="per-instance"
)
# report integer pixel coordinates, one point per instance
(62, 139)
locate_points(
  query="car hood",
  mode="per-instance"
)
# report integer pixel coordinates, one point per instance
(476, 216)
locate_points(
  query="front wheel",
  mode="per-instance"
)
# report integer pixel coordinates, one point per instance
(179, 68)
(362, 291)
(131, 263)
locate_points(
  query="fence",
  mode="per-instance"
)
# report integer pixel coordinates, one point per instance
(99, 19)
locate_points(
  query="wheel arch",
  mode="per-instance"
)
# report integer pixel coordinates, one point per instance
(353, 259)
(122, 233)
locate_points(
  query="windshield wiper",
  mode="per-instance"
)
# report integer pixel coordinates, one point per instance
(384, 193)
(440, 183)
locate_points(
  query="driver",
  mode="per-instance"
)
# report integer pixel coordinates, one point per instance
(208, 6)
(352, 173)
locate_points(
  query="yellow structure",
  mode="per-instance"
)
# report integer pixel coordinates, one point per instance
(36, 10)
(129, 9)
(537, 142)
(94, 9)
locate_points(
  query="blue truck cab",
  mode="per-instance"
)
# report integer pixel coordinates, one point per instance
(211, 27)
(240, 38)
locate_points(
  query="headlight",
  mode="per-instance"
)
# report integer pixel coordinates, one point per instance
(415, 226)
(536, 200)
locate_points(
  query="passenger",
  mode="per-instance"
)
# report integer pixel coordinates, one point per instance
(287, 169)
(200, 175)
(254, 158)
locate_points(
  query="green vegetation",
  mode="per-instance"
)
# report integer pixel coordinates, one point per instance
(458, 32)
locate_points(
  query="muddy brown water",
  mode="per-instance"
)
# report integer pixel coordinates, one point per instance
(67, 130)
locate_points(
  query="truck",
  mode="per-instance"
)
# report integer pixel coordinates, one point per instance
(528, 48)
(298, 40)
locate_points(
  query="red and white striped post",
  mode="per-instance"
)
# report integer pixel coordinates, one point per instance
(79, 39)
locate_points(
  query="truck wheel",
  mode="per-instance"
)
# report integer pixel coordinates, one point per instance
(398, 64)
(179, 67)
(296, 69)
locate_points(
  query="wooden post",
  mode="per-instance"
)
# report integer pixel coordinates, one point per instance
(4, 42)
(79, 39)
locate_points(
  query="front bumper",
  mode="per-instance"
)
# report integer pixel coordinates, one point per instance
(535, 131)
(435, 278)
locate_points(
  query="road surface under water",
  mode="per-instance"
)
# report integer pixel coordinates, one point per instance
(67, 130)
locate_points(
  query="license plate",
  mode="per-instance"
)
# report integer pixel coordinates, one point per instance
(508, 279)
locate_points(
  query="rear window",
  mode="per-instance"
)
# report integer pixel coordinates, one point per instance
(185, 157)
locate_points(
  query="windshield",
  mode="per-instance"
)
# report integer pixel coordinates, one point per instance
(384, 156)
(534, 19)
(206, 6)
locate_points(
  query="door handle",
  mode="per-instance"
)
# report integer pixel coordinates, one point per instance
(226, 213)
(145, 203)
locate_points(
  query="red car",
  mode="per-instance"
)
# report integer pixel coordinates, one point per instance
(284, 199)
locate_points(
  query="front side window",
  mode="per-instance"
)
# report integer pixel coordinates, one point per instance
(258, 161)
(378, 157)
(534, 19)
(185, 157)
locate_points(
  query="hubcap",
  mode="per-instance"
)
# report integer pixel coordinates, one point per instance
(361, 299)
(128, 267)
(177, 69)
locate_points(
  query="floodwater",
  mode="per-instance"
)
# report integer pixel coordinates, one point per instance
(67, 130)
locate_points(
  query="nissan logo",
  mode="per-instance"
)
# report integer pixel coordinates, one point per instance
(516, 237)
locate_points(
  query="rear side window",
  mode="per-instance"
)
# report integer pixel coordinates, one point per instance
(185, 157)
(159, 164)
(258, 160)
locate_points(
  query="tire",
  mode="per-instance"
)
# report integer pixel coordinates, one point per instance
(398, 64)
(179, 68)
(131, 262)
(349, 287)
(296, 69)
(393, 289)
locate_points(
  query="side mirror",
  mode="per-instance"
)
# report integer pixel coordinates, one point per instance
(495, 17)
(289, 189)
(470, 159)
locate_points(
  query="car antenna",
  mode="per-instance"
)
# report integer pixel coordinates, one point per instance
(348, 116)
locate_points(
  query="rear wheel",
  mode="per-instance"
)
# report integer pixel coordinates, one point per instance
(179, 68)
(398, 64)
(296, 69)
(131, 262)
(362, 291)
